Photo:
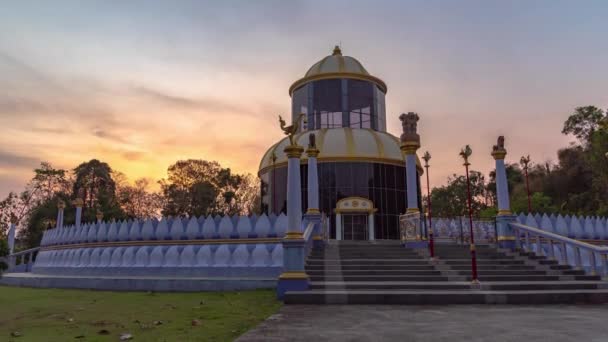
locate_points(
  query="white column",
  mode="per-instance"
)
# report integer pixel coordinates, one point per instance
(502, 187)
(338, 226)
(78, 203)
(294, 190)
(412, 186)
(313, 181)
(11, 238)
(370, 225)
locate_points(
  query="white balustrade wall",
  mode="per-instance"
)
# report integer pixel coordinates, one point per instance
(148, 250)
(575, 227)
(241, 227)
(458, 229)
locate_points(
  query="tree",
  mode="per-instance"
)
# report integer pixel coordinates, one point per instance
(200, 187)
(451, 200)
(584, 122)
(95, 185)
(136, 201)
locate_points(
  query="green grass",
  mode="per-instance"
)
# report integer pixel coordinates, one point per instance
(78, 315)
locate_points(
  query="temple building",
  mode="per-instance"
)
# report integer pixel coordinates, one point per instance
(361, 169)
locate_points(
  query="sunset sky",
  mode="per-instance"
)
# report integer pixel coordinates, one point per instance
(141, 84)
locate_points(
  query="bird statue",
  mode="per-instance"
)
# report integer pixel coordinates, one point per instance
(290, 131)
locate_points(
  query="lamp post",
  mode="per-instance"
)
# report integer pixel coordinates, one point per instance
(465, 153)
(427, 157)
(524, 161)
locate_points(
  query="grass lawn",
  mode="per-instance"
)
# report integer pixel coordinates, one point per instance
(79, 315)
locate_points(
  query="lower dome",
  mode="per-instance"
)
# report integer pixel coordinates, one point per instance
(342, 144)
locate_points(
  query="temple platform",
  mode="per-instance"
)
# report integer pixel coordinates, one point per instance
(137, 283)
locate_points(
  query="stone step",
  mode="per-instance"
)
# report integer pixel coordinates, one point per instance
(493, 286)
(483, 262)
(502, 272)
(443, 297)
(367, 261)
(368, 277)
(494, 267)
(370, 267)
(336, 272)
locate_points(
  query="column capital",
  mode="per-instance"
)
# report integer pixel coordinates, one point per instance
(61, 204)
(99, 216)
(78, 203)
(293, 151)
(499, 154)
(312, 152)
(504, 212)
(410, 147)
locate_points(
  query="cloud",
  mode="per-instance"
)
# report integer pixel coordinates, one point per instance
(13, 160)
(205, 104)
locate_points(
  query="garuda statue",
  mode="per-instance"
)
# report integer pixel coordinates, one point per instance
(290, 131)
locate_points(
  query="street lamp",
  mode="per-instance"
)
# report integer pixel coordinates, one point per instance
(465, 153)
(427, 157)
(524, 161)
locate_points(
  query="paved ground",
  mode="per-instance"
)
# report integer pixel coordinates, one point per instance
(434, 323)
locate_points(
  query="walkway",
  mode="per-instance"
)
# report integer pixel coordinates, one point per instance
(433, 323)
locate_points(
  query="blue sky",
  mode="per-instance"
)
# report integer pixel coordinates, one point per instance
(141, 84)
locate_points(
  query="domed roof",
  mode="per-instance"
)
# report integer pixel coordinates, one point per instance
(342, 144)
(337, 66)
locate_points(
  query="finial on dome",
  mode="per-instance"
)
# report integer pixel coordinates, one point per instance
(337, 51)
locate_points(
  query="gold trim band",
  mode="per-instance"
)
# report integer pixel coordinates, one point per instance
(294, 276)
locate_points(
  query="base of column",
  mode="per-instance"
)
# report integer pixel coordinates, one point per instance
(318, 242)
(416, 244)
(509, 244)
(292, 281)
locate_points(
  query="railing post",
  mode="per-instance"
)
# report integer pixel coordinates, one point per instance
(593, 263)
(564, 253)
(517, 239)
(527, 237)
(539, 245)
(551, 251)
(577, 258)
(604, 257)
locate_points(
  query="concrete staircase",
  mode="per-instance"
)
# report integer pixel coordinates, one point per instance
(386, 273)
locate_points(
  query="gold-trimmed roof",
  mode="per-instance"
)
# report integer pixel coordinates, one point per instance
(337, 66)
(341, 145)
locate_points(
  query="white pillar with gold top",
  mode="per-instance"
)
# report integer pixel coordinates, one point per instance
(410, 143)
(294, 277)
(505, 234)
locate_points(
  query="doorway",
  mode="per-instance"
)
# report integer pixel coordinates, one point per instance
(355, 227)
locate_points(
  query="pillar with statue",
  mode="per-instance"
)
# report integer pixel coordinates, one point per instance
(294, 277)
(410, 223)
(505, 235)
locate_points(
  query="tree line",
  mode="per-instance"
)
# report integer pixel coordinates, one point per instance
(192, 187)
(577, 183)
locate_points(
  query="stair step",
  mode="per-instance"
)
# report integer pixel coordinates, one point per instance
(493, 286)
(443, 297)
(370, 267)
(372, 272)
(347, 278)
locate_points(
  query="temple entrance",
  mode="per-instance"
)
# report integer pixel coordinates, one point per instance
(355, 226)
(355, 219)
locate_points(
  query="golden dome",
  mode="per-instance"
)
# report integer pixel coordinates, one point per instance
(337, 66)
(341, 145)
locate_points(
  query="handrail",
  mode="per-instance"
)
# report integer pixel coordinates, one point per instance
(558, 237)
(551, 239)
(27, 251)
(308, 232)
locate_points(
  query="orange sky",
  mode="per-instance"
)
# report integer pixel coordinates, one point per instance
(143, 86)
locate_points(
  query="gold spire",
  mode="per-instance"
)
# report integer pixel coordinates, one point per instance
(337, 51)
